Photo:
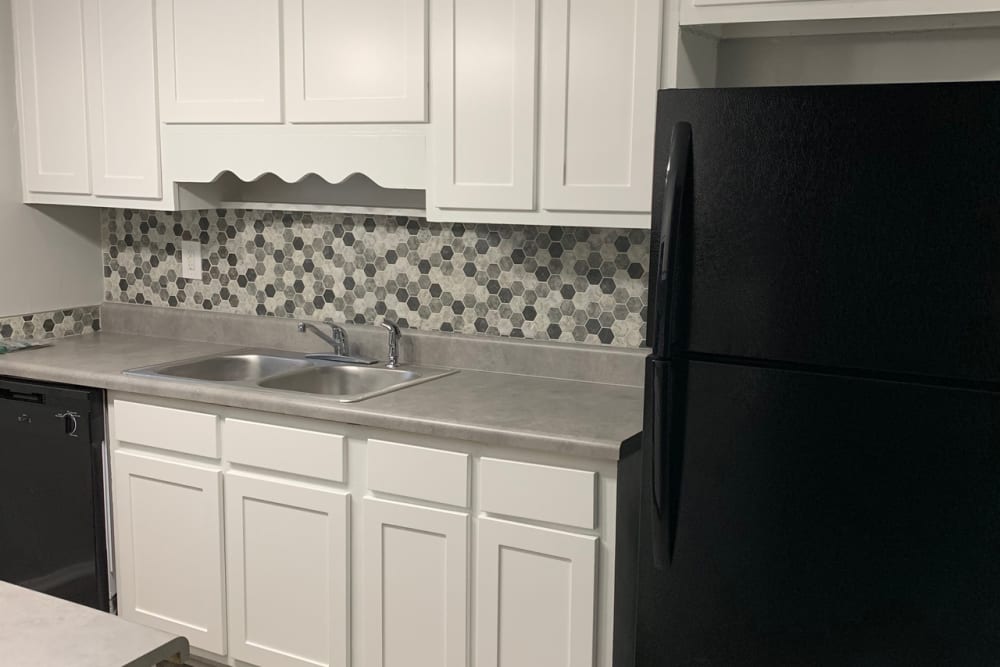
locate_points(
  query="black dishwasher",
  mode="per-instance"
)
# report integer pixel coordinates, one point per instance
(52, 532)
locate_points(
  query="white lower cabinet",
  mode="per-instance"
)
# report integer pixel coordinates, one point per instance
(287, 546)
(237, 530)
(415, 586)
(168, 522)
(536, 596)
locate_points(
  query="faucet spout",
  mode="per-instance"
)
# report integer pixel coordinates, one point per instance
(337, 339)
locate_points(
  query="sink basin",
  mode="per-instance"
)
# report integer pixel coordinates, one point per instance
(342, 380)
(233, 367)
(266, 370)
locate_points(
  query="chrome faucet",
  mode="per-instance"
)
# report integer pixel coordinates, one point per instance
(394, 335)
(337, 338)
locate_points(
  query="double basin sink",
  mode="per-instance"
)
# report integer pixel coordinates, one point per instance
(280, 371)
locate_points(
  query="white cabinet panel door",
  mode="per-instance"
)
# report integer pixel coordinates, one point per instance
(535, 596)
(484, 64)
(355, 62)
(121, 84)
(168, 520)
(416, 586)
(220, 60)
(53, 97)
(599, 81)
(287, 548)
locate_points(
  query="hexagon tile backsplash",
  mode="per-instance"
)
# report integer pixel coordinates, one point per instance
(547, 283)
(53, 324)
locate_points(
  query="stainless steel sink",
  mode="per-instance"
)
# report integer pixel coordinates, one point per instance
(233, 368)
(341, 380)
(288, 372)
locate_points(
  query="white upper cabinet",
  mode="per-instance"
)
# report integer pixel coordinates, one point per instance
(541, 111)
(355, 62)
(87, 92)
(693, 12)
(220, 60)
(599, 82)
(484, 56)
(121, 87)
(53, 97)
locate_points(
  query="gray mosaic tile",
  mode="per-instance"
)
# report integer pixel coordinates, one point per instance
(548, 283)
(55, 324)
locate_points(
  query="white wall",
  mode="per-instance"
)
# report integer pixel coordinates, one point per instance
(942, 55)
(50, 257)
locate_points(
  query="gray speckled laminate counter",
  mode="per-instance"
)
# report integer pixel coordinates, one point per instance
(37, 629)
(563, 416)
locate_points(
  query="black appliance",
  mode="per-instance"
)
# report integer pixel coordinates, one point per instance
(818, 478)
(52, 512)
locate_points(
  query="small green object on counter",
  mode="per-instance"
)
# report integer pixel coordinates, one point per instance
(15, 345)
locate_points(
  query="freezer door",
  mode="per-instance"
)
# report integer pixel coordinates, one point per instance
(845, 226)
(825, 520)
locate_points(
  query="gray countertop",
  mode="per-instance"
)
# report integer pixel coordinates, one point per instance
(37, 629)
(564, 416)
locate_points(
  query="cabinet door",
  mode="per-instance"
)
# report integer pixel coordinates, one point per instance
(168, 521)
(220, 60)
(535, 596)
(121, 93)
(287, 548)
(52, 94)
(484, 64)
(415, 586)
(355, 62)
(599, 81)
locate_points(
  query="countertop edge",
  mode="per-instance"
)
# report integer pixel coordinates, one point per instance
(593, 449)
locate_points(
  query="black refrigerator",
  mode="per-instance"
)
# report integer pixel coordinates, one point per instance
(818, 478)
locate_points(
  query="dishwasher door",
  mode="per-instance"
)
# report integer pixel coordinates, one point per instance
(52, 532)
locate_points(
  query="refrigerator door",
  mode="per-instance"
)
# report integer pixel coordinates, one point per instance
(825, 520)
(844, 227)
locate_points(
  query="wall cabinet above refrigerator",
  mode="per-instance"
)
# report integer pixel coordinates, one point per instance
(704, 12)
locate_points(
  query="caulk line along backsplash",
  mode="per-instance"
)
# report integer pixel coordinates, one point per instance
(55, 324)
(547, 283)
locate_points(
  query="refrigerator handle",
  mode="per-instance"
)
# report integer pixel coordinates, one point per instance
(666, 325)
(654, 417)
(666, 388)
(666, 373)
